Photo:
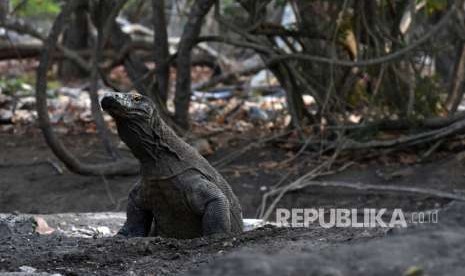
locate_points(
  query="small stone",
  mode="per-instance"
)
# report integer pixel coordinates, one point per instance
(227, 244)
(5, 231)
(104, 230)
(27, 269)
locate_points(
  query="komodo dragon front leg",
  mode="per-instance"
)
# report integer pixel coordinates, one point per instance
(138, 222)
(209, 202)
(205, 200)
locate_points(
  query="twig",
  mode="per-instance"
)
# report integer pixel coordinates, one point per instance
(301, 150)
(433, 148)
(55, 166)
(319, 170)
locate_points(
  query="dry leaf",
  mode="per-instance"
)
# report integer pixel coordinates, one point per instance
(268, 165)
(407, 159)
(42, 226)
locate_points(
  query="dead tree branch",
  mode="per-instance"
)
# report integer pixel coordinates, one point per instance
(405, 124)
(228, 77)
(457, 86)
(410, 140)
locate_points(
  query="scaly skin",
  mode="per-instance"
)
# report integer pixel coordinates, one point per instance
(180, 195)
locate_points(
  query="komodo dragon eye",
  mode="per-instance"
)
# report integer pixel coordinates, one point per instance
(136, 97)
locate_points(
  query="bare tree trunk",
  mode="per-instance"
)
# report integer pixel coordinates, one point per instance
(457, 86)
(161, 50)
(411, 84)
(75, 37)
(183, 73)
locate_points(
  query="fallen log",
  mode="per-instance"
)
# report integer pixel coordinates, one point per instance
(375, 188)
(409, 140)
(19, 50)
(428, 123)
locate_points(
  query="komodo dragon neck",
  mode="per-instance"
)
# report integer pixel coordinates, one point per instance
(160, 151)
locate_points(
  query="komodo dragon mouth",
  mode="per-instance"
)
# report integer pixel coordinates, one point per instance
(127, 105)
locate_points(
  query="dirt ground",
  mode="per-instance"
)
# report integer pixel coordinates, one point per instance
(32, 181)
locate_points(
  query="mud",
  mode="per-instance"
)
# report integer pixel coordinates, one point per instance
(30, 184)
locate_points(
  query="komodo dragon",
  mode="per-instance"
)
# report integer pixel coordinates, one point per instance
(180, 195)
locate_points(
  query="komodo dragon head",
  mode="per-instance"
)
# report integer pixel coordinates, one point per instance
(127, 106)
(136, 119)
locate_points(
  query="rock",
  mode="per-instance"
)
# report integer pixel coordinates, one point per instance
(250, 224)
(104, 231)
(213, 94)
(258, 115)
(122, 146)
(25, 116)
(5, 231)
(5, 100)
(6, 115)
(27, 103)
(27, 269)
(453, 214)
(70, 91)
(16, 224)
(23, 224)
(28, 274)
(263, 78)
